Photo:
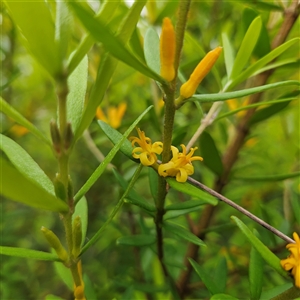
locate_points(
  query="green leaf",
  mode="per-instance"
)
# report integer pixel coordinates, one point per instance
(63, 26)
(246, 107)
(81, 210)
(40, 34)
(138, 240)
(210, 153)
(134, 197)
(256, 267)
(270, 294)
(16, 116)
(184, 205)
(98, 172)
(223, 297)
(115, 136)
(105, 14)
(268, 177)
(189, 189)
(107, 67)
(151, 49)
(136, 45)
(77, 83)
(241, 93)
(295, 203)
(24, 163)
(209, 283)
(220, 273)
(103, 35)
(228, 53)
(246, 47)
(26, 191)
(64, 273)
(182, 233)
(262, 46)
(270, 258)
(254, 68)
(27, 253)
(171, 214)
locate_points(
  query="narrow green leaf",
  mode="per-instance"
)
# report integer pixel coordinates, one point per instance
(246, 107)
(268, 177)
(184, 205)
(253, 69)
(16, 116)
(270, 294)
(63, 26)
(26, 191)
(133, 196)
(228, 53)
(138, 240)
(183, 233)
(81, 210)
(220, 273)
(115, 136)
(151, 49)
(210, 153)
(107, 67)
(64, 273)
(42, 29)
(246, 48)
(96, 237)
(189, 189)
(256, 267)
(24, 163)
(77, 83)
(103, 35)
(105, 14)
(211, 286)
(295, 203)
(27, 253)
(241, 93)
(136, 45)
(270, 258)
(171, 214)
(223, 297)
(98, 172)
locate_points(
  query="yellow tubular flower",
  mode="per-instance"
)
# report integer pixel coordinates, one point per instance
(167, 50)
(188, 89)
(180, 166)
(292, 263)
(146, 152)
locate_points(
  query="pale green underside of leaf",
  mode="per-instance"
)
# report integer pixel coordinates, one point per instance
(98, 172)
(151, 49)
(81, 210)
(16, 116)
(242, 93)
(21, 189)
(270, 258)
(27, 253)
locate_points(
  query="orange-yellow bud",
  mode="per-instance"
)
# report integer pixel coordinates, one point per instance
(167, 50)
(188, 89)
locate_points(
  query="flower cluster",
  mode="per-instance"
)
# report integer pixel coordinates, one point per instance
(292, 263)
(180, 165)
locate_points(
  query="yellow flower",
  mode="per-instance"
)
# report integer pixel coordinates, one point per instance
(146, 152)
(167, 50)
(188, 89)
(292, 263)
(180, 165)
(114, 115)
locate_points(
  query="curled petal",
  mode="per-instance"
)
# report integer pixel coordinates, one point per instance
(157, 147)
(147, 159)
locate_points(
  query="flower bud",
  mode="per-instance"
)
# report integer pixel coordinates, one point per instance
(55, 243)
(167, 50)
(68, 136)
(188, 89)
(55, 136)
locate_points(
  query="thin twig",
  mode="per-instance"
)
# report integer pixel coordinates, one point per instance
(240, 209)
